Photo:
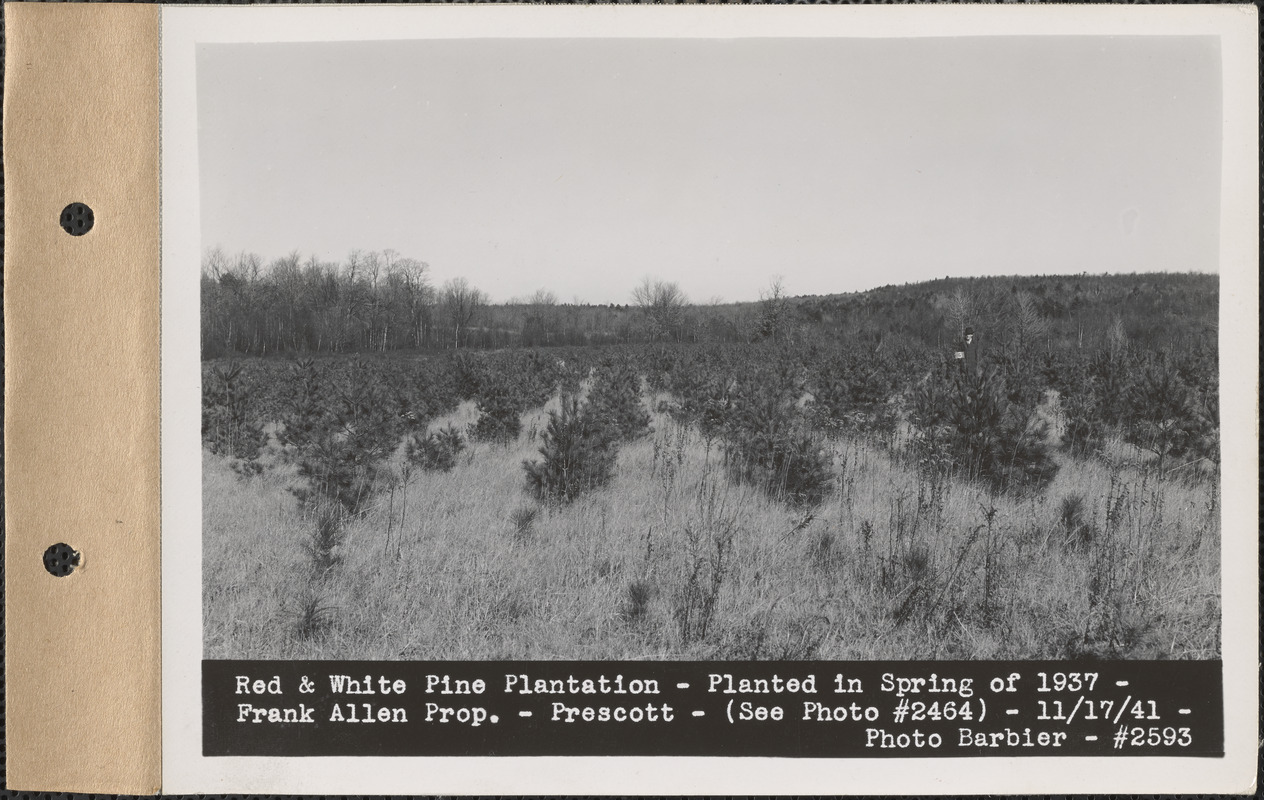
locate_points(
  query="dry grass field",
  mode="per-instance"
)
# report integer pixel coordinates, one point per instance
(673, 560)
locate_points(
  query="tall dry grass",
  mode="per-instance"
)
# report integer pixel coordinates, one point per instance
(675, 561)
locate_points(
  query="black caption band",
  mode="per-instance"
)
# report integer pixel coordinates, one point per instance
(814, 709)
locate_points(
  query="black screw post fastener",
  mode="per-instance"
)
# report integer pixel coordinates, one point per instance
(76, 219)
(61, 559)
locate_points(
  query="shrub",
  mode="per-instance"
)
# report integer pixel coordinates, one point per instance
(704, 400)
(421, 394)
(615, 402)
(523, 519)
(304, 415)
(1168, 417)
(767, 445)
(1094, 394)
(339, 445)
(708, 564)
(909, 578)
(324, 539)
(468, 372)
(636, 605)
(851, 392)
(1077, 532)
(366, 416)
(535, 378)
(313, 616)
(976, 411)
(569, 378)
(660, 368)
(1023, 459)
(577, 456)
(501, 413)
(1084, 431)
(436, 451)
(713, 409)
(822, 551)
(337, 471)
(930, 412)
(968, 424)
(228, 424)
(1023, 379)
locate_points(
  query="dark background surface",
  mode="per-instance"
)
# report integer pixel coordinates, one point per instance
(1170, 685)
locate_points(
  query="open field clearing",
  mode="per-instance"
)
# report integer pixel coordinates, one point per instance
(678, 557)
(848, 477)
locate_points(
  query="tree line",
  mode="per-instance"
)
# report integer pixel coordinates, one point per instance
(382, 301)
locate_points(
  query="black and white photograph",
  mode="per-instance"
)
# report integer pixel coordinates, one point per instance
(705, 349)
(736, 350)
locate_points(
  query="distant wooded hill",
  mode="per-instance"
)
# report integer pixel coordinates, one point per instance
(1153, 310)
(384, 303)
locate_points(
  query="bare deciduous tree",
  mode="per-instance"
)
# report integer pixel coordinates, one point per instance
(664, 305)
(461, 303)
(542, 297)
(215, 263)
(540, 323)
(409, 275)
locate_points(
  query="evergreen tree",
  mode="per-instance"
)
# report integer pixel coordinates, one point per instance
(339, 434)
(968, 424)
(768, 444)
(501, 407)
(437, 451)
(1168, 417)
(615, 402)
(229, 426)
(577, 456)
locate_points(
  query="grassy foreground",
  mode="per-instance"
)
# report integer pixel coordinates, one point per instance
(675, 561)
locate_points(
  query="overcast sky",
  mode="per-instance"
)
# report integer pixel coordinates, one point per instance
(840, 164)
